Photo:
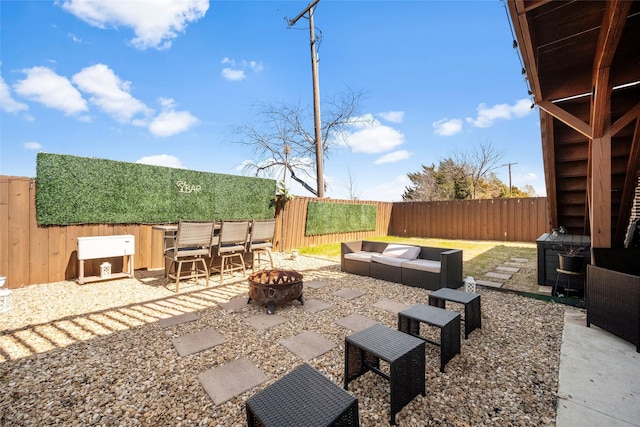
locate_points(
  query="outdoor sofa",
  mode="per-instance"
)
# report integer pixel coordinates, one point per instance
(613, 292)
(420, 266)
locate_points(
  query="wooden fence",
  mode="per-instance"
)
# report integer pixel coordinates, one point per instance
(514, 220)
(30, 254)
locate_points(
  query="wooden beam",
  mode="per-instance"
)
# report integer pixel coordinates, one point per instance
(518, 13)
(627, 118)
(549, 156)
(567, 118)
(613, 22)
(630, 181)
(601, 103)
(533, 4)
(600, 201)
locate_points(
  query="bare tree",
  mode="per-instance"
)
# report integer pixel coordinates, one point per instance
(479, 162)
(354, 194)
(465, 176)
(278, 126)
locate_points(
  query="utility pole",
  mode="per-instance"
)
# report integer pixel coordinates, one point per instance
(316, 95)
(509, 165)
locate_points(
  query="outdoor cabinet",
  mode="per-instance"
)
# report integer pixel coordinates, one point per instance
(106, 247)
(549, 246)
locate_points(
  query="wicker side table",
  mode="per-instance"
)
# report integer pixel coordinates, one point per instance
(447, 321)
(403, 353)
(303, 397)
(472, 316)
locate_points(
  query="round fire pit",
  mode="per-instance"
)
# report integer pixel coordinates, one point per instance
(271, 287)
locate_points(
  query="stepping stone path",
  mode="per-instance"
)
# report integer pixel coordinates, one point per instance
(356, 322)
(197, 341)
(347, 293)
(389, 305)
(314, 306)
(231, 379)
(178, 319)
(503, 273)
(308, 345)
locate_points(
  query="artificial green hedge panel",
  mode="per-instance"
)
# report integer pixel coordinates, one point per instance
(80, 190)
(331, 218)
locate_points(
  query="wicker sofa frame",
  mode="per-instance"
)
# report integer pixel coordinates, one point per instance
(450, 274)
(613, 292)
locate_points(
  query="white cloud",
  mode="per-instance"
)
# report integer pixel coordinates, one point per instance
(392, 116)
(74, 38)
(371, 136)
(256, 66)
(7, 103)
(109, 93)
(48, 88)
(237, 69)
(396, 156)
(488, 115)
(390, 191)
(446, 127)
(171, 122)
(32, 145)
(161, 160)
(155, 22)
(233, 75)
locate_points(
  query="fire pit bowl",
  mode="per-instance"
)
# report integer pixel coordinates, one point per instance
(271, 287)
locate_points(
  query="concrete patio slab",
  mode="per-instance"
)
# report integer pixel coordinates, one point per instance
(314, 305)
(521, 260)
(598, 381)
(265, 321)
(356, 322)
(229, 380)
(316, 284)
(178, 319)
(308, 345)
(234, 304)
(197, 341)
(390, 305)
(507, 269)
(348, 293)
(489, 283)
(495, 275)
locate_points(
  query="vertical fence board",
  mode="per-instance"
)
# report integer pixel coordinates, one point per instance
(4, 226)
(56, 256)
(18, 226)
(38, 243)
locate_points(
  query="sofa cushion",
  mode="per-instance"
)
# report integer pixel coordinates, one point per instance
(363, 256)
(401, 251)
(388, 260)
(423, 265)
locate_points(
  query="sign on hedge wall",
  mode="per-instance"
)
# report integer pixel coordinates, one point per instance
(80, 190)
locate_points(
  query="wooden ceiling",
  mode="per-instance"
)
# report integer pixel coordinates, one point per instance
(582, 63)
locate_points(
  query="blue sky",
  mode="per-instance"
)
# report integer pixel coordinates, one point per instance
(168, 83)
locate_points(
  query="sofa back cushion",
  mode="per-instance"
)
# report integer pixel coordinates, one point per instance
(373, 246)
(401, 251)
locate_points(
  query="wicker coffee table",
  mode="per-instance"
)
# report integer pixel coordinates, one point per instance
(448, 321)
(303, 397)
(403, 353)
(471, 301)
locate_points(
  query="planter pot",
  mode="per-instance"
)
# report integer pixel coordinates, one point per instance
(572, 263)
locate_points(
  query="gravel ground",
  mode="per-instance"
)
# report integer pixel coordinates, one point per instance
(79, 355)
